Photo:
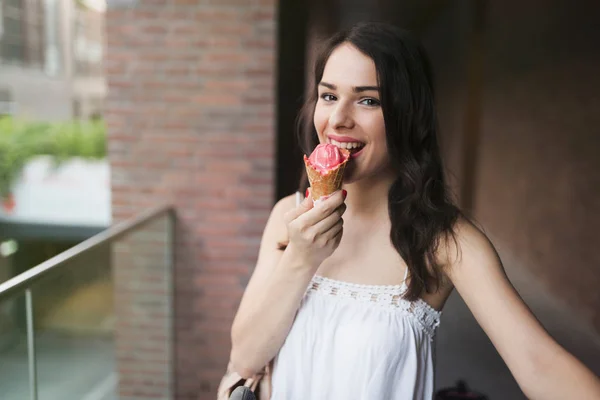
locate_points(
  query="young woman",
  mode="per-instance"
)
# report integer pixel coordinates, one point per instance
(349, 308)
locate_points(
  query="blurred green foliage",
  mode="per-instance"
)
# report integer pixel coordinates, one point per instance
(22, 140)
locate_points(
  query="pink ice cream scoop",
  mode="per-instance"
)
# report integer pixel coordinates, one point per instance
(326, 157)
(325, 169)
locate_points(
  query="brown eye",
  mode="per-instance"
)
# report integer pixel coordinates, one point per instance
(370, 102)
(328, 97)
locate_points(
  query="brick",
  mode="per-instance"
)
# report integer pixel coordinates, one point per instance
(216, 100)
(235, 30)
(191, 120)
(217, 15)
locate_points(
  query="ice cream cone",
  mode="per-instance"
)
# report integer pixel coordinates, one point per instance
(325, 184)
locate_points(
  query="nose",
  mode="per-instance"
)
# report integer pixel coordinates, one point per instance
(341, 117)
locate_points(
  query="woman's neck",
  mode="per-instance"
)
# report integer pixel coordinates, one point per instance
(368, 198)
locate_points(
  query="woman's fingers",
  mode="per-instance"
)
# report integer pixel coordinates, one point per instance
(334, 233)
(302, 208)
(321, 210)
(325, 224)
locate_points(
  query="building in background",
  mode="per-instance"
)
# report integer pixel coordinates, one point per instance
(89, 85)
(51, 69)
(51, 55)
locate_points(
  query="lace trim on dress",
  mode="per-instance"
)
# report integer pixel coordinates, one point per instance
(389, 296)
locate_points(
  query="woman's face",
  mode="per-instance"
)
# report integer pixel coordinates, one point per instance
(348, 111)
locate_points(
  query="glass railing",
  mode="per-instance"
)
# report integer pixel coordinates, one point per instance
(58, 319)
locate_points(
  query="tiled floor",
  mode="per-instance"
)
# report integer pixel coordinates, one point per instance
(465, 352)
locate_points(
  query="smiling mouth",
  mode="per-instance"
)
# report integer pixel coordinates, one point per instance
(353, 147)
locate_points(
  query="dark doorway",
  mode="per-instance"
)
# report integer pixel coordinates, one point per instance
(293, 22)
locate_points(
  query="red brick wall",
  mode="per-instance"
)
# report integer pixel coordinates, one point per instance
(190, 116)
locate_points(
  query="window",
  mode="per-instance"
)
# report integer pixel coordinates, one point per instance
(29, 34)
(22, 32)
(88, 41)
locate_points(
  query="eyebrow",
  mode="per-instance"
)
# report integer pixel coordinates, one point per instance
(356, 89)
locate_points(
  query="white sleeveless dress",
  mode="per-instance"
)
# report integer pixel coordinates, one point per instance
(361, 342)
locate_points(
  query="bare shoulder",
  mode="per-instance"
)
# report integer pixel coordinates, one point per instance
(283, 206)
(470, 257)
(469, 249)
(275, 230)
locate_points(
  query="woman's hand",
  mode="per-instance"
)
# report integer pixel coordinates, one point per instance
(315, 230)
(261, 324)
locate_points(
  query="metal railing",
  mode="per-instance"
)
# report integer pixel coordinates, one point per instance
(23, 283)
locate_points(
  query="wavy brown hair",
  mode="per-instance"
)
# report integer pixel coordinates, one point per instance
(421, 210)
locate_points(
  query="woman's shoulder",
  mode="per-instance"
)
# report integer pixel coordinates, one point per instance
(281, 207)
(467, 242)
(276, 229)
(286, 204)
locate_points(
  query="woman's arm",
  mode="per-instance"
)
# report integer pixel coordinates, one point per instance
(543, 369)
(280, 278)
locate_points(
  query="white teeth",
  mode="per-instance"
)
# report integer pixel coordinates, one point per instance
(346, 145)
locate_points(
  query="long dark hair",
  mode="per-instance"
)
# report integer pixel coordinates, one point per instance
(421, 210)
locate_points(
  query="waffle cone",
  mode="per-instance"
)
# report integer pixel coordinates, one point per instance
(325, 184)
